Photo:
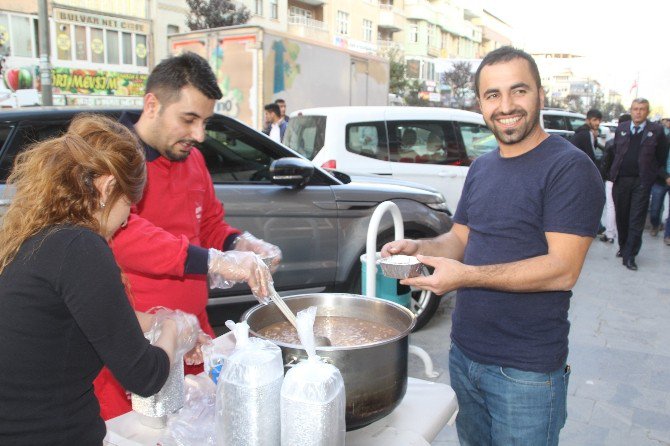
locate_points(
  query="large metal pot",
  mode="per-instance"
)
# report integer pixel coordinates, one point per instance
(375, 374)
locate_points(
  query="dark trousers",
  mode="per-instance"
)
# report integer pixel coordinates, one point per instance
(631, 201)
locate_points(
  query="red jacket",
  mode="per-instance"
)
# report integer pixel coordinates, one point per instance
(178, 209)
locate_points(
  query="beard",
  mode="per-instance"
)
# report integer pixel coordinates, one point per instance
(176, 151)
(515, 135)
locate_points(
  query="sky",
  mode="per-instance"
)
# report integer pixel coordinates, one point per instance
(620, 42)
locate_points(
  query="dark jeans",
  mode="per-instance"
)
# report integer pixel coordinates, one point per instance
(631, 202)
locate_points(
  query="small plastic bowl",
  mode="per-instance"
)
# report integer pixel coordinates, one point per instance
(401, 267)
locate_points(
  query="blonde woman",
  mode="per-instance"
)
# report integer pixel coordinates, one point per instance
(64, 312)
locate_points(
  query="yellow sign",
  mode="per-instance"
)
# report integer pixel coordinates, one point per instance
(63, 41)
(67, 80)
(141, 50)
(97, 46)
(4, 35)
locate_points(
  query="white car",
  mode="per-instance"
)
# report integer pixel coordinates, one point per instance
(428, 145)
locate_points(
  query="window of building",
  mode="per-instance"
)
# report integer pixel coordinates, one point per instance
(413, 33)
(22, 36)
(18, 35)
(64, 41)
(274, 9)
(343, 23)
(140, 50)
(97, 45)
(294, 11)
(80, 43)
(172, 29)
(127, 46)
(367, 30)
(112, 47)
(258, 7)
(431, 34)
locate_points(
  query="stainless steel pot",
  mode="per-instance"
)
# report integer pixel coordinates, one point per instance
(375, 374)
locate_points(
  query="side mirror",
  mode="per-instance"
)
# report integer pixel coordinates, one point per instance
(294, 172)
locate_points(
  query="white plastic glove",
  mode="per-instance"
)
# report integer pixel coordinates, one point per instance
(270, 253)
(188, 329)
(230, 267)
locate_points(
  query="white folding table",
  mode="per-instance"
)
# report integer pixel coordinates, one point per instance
(426, 408)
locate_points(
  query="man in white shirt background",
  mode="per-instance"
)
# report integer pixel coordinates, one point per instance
(276, 126)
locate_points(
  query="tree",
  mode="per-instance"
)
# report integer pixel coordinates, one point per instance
(612, 111)
(398, 82)
(459, 79)
(215, 13)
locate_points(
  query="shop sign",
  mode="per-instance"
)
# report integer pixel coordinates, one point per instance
(85, 18)
(68, 80)
(4, 35)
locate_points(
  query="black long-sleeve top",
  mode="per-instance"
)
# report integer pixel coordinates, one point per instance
(63, 315)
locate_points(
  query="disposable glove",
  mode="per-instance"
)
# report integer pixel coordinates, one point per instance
(270, 253)
(230, 267)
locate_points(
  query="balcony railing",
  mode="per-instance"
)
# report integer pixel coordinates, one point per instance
(307, 23)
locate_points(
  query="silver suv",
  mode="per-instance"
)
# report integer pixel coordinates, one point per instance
(318, 219)
(561, 122)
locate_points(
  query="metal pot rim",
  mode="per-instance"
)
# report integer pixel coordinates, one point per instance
(390, 340)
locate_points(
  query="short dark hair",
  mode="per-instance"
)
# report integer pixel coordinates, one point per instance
(280, 101)
(273, 108)
(174, 73)
(506, 54)
(594, 113)
(624, 118)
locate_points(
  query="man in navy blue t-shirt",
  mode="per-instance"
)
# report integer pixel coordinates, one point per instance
(527, 216)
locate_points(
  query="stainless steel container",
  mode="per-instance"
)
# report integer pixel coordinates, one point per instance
(375, 374)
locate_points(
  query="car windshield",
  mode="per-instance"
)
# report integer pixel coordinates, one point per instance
(306, 135)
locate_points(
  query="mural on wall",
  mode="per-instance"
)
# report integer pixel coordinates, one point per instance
(95, 82)
(282, 59)
(233, 64)
(20, 78)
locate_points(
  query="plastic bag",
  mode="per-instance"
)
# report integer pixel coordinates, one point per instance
(248, 392)
(193, 425)
(153, 410)
(313, 400)
(215, 353)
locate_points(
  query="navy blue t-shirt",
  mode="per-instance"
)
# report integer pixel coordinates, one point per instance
(508, 204)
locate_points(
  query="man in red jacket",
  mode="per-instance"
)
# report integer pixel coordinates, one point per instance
(176, 236)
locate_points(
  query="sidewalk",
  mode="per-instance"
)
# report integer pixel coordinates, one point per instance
(619, 392)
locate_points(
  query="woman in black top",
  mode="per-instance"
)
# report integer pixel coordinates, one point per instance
(64, 312)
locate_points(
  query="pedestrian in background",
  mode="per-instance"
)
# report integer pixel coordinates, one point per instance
(610, 233)
(586, 136)
(658, 191)
(282, 109)
(527, 216)
(640, 155)
(276, 126)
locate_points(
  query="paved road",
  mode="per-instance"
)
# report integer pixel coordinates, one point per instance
(619, 393)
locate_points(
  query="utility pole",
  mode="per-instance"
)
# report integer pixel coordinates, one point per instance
(45, 51)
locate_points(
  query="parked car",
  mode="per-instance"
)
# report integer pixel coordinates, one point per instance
(428, 145)
(561, 122)
(318, 219)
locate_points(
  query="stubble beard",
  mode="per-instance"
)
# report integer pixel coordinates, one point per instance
(516, 135)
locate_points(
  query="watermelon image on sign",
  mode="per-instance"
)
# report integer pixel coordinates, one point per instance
(18, 79)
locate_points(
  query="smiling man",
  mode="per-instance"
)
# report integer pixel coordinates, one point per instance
(527, 216)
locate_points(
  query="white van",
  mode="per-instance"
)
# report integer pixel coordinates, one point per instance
(428, 145)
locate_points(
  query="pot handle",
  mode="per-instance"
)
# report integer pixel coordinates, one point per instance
(427, 362)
